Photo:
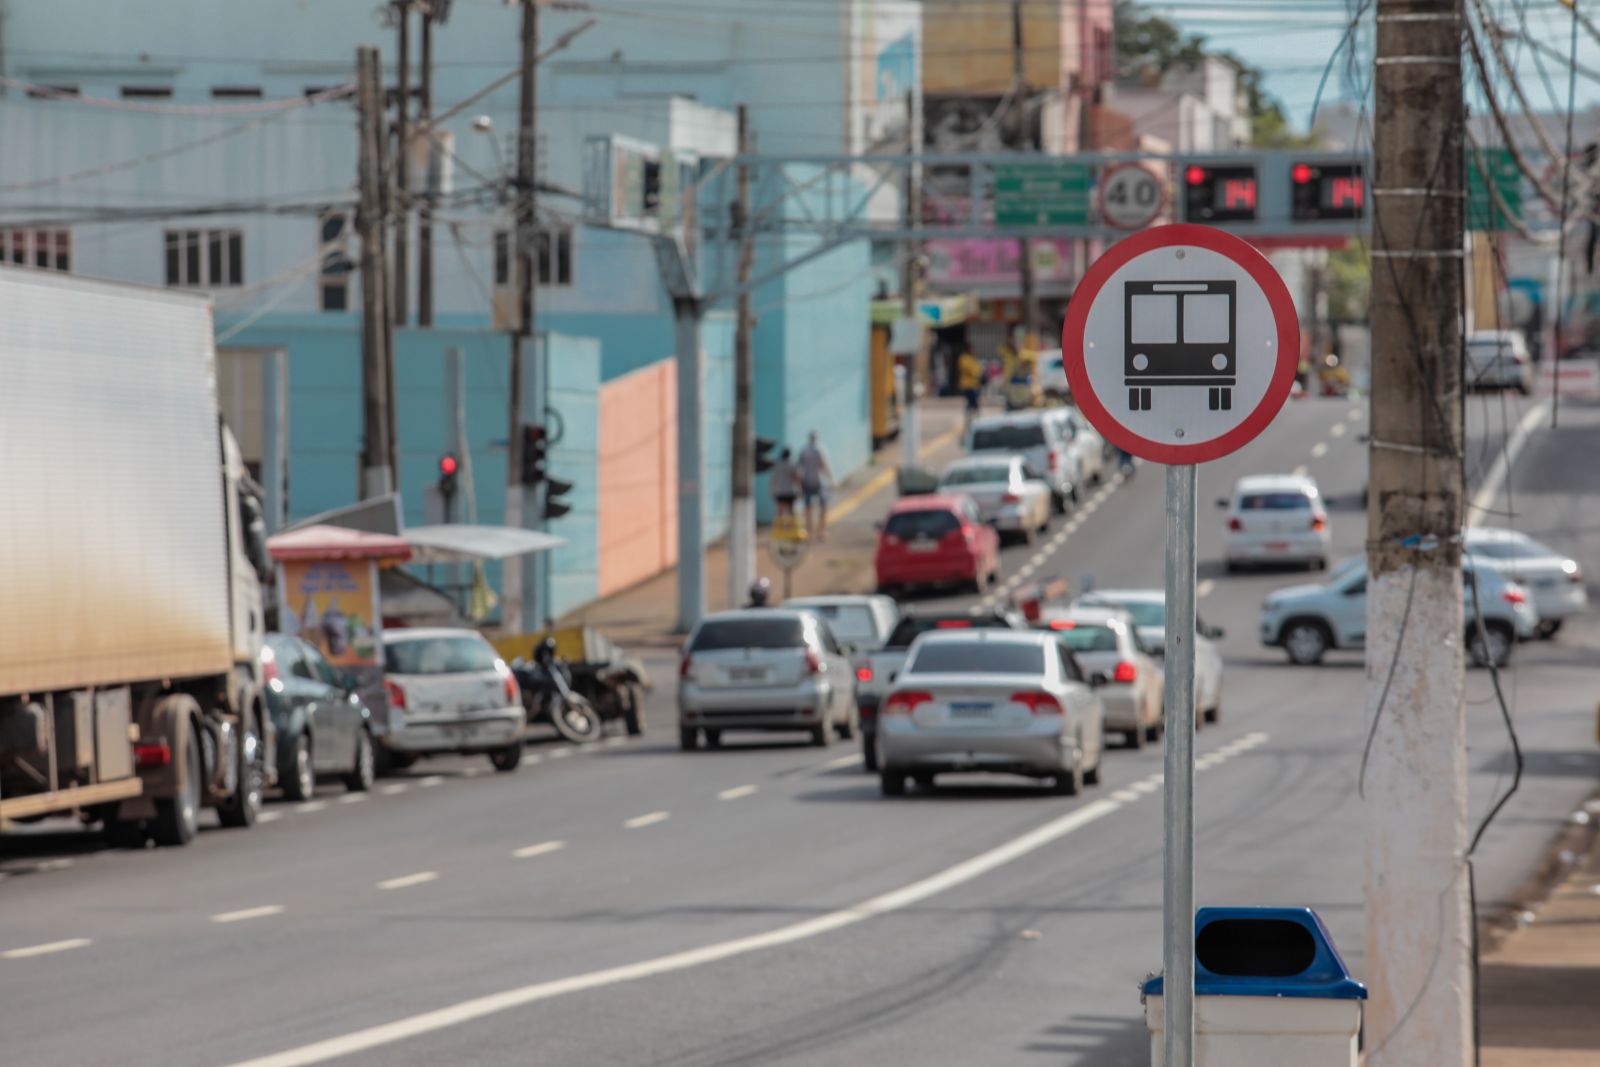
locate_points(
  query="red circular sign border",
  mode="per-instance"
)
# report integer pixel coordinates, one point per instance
(1161, 185)
(1248, 257)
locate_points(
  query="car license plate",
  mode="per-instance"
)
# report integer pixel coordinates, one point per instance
(1277, 546)
(746, 674)
(923, 546)
(969, 710)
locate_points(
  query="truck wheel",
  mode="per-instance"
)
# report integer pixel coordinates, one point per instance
(632, 710)
(244, 806)
(178, 818)
(301, 780)
(364, 770)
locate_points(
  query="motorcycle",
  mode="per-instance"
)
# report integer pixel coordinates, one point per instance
(548, 696)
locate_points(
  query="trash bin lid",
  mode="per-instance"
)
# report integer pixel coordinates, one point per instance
(1266, 952)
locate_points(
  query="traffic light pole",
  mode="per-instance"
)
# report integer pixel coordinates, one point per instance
(742, 504)
(516, 614)
(687, 310)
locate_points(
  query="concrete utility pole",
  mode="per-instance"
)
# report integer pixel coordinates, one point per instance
(911, 215)
(377, 471)
(516, 615)
(425, 205)
(1419, 932)
(742, 508)
(1018, 108)
(402, 168)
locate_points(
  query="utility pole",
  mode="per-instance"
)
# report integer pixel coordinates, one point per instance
(911, 215)
(377, 471)
(402, 169)
(1018, 109)
(425, 205)
(742, 509)
(1419, 920)
(516, 615)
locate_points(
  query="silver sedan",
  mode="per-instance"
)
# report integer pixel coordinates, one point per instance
(1011, 496)
(1006, 701)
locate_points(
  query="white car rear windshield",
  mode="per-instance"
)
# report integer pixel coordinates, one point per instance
(1083, 638)
(717, 635)
(1011, 438)
(439, 655)
(976, 475)
(978, 657)
(1273, 501)
(849, 622)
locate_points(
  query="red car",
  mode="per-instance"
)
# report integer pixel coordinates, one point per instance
(936, 540)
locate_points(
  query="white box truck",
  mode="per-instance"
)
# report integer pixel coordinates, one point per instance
(132, 552)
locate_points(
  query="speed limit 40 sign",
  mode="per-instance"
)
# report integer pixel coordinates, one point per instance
(1131, 196)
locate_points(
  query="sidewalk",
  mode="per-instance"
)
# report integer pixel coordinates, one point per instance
(645, 615)
(1540, 986)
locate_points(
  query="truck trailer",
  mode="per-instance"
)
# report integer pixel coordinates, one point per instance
(132, 552)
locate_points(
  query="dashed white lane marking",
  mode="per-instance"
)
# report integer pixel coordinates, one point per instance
(842, 761)
(613, 742)
(394, 790)
(1353, 415)
(1146, 785)
(1319, 450)
(544, 848)
(736, 792)
(638, 822)
(1027, 569)
(1336, 430)
(405, 881)
(473, 772)
(311, 806)
(45, 949)
(431, 781)
(1301, 471)
(1208, 761)
(530, 758)
(1205, 587)
(245, 914)
(560, 753)
(1126, 796)
(269, 816)
(352, 798)
(886, 903)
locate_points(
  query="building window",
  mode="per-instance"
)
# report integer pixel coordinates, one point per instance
(147, 92)
(333, 280)
(205, 259)
(236, 92)
(552, 250)
(48, 249)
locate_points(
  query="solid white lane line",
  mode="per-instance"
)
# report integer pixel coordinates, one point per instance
(1126, 796)
(311, 806)
(1483, 499)
(473, 772)
(269, 816)
(1301, 471)
(1336, 430)
(638, 822)
(45, 949)
(1205, 587)
(394, 790)
(544, 848)
(613, 742)
(842, 761)
(248, 913)
(405, 881)
(1207, 762)
(1145, 786)
(494, 1003)
(352, 798)
(52, 865)
(430, 781)
(1319, 450)
(736, 792)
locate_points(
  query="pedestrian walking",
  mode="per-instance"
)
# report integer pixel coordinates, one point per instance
(816, 477)
(969, 374)
(783, 482)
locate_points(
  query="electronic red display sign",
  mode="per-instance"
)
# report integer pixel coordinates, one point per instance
(1327, 191)
(1220, 192)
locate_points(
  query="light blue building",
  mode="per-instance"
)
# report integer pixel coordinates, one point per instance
(192, 143)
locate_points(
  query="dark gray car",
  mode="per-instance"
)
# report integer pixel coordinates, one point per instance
(324, 728)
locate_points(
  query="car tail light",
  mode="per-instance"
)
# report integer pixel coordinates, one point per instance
(905, 701)
(156, 754)
(1039, 703)
(1055, 461)
(953, 624)
(396, 695)
(1575, 576)
(1318, 524)
(1063, 624)
(1235, 525)
(1513, 596)
(1125, 672)
(685, 665)
(269, 666)
(813, 661)
(1011, 498)
(864, 673)
(513, 694)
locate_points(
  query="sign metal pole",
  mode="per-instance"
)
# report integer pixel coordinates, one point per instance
(1177, 896)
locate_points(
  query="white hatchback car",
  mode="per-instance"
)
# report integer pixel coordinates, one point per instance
(449, 692)
(1553, 580)
(1149, 610)
(863, 622)
(1009, 495)
(1106, 642)
(1277, 518)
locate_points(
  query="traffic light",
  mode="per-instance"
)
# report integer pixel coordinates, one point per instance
(1327, 191)
(535, 454)
(1223, 192)
(449, 466)
(554, 489)
(765, 462)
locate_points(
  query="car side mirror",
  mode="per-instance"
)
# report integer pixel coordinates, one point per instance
(1098, 679)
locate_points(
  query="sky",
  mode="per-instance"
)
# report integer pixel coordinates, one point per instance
(1291, 41)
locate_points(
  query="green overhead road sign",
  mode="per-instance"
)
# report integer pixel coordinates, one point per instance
(1042, 194)
(1483, 210)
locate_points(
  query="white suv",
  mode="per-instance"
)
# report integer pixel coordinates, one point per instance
(1277, 518)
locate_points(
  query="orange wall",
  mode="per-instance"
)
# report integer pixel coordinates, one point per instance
(638, 461)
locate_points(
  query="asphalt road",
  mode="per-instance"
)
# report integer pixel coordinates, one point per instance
(631, 904)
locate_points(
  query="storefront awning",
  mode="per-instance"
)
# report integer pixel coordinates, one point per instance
(462, 543)
(336, 542)
(937, 312)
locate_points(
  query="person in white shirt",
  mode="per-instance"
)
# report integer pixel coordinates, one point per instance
(815, 478)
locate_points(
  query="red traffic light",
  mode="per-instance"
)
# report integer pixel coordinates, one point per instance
(1195, 175)
(1301, 173)
(448, 465)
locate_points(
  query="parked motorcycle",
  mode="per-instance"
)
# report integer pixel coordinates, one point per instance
(548, 696)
